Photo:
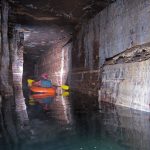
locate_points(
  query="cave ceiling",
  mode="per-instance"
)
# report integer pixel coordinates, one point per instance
(49, 23)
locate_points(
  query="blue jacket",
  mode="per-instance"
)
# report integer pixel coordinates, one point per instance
(46, 83)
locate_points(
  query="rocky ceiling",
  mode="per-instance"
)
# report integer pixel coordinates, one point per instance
(49, 23)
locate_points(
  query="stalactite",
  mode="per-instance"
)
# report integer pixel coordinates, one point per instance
(6, 88)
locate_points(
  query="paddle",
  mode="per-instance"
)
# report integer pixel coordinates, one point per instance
(30, 81)
(64, 87)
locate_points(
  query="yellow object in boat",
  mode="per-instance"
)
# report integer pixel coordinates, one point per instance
(30, 81)
(65, 87)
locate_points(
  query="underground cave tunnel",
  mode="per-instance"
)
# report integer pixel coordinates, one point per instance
(93, 56)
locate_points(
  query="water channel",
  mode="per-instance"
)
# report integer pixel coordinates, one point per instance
(78, 122)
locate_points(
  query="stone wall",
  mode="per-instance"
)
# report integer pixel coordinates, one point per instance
(5, 75)
(112, 44)
(17, 49)
(86, 82)
(125, 77)
(123, 25)
(85, 58)
(127, 85)
(56, 62)
(106, 43)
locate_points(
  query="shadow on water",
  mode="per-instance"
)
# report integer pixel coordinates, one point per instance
(77, 123)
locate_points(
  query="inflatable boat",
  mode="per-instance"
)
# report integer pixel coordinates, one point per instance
(50, 91)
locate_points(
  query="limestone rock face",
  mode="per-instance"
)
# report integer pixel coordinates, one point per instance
(127, 85)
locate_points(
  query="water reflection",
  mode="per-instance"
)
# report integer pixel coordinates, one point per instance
(75, 123)
(56, 107)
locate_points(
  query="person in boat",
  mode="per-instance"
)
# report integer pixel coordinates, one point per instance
(44, 81)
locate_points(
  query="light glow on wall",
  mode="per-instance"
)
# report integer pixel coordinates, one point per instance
(66, 110)
(62, 67)
(65, 63)
(20, 69)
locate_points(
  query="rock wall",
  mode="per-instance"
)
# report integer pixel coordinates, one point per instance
(127, 85)
(86, 82)
(125, 77)
(17, 48)
(56, 62)
(5, 79)
(85, 71)
(114, 45)
(123, 25)
(110, 52)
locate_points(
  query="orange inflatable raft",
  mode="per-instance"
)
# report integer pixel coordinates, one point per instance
(41, 95)
(50, 91)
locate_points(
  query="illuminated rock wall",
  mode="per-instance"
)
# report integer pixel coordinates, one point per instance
(125, 77)
(5, 85)
(111, 41)
(17, 69)
(127, 85)
(56, 62)
(111, 45)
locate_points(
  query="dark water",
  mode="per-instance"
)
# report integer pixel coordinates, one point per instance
(79, 122)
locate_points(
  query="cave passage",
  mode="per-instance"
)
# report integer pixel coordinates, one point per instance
(74, 75)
